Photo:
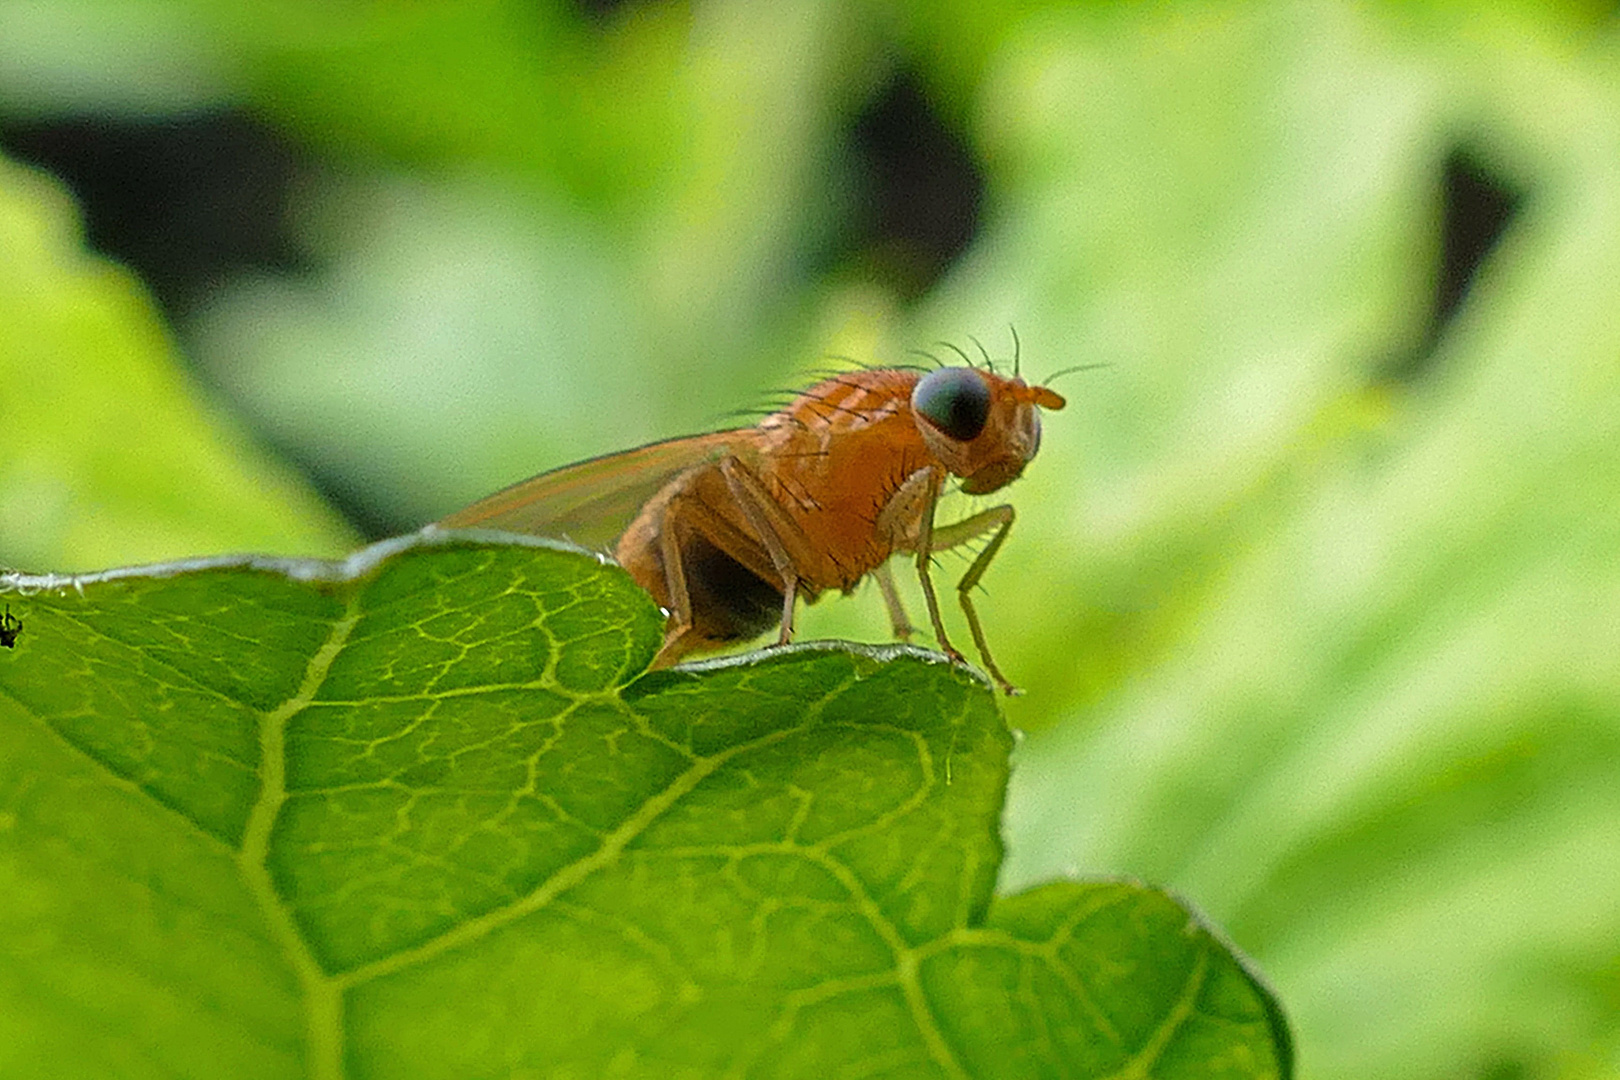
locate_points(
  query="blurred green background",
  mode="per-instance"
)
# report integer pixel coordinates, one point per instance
(1314, 589)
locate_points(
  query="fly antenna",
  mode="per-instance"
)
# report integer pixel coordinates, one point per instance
(1013, 330)
(920, 352)
(984, 352)
(966, 359)
(1071, 370)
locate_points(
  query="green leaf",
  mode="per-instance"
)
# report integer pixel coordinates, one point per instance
(106, 453)
(416, 815)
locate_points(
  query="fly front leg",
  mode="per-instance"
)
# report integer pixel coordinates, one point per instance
(891, 600)
(907, 520)
(999, 519)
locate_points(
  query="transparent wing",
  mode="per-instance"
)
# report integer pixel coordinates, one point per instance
(591, 502)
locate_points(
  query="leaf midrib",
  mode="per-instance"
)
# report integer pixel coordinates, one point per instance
(323, 997)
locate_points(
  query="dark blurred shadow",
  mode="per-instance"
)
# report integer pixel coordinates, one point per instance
(186, 202)
(1478, 205)
(916, 193)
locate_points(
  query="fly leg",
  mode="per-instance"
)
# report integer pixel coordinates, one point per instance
(907, 520)
(686, 516)
(680, 598)
(891, 600)
(766, 542)
(1000, 519)
(778, 534)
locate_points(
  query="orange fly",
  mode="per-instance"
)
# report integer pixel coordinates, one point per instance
(729, 530)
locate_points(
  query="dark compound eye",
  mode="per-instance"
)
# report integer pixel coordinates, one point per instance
(955, 400)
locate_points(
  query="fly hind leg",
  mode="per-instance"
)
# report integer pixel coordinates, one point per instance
(681, 636)
(778, 534)
(717, 570)
(716, 579)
